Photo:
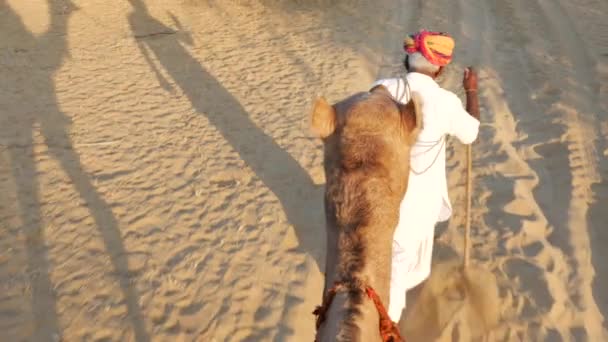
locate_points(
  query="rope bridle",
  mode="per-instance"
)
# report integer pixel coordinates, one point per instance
(388, 329)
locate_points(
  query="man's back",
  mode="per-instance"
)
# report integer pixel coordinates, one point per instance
(443, 114)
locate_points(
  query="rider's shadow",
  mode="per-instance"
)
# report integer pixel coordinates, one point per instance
(301, 199)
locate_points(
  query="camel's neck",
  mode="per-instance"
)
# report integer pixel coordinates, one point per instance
(360, 255)
(363, 254)
(350, 319)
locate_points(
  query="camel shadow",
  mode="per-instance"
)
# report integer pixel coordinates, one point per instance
(54, 128)
(276, 168)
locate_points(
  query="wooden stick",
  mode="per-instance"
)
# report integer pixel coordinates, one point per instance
(467, 224)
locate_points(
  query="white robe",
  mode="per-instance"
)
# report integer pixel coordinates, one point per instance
(426, 201)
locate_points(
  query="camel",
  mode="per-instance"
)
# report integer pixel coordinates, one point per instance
(367, 139)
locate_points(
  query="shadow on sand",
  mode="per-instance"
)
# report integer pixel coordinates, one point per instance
(277, 169)
(42, 109)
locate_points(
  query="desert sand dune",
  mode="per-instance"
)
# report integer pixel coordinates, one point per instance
(160, 183)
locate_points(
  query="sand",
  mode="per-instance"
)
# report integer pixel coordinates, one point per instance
(159, 181)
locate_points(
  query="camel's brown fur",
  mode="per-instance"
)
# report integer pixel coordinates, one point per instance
(367, 139)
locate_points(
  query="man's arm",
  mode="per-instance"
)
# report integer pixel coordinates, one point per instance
(466, 125)
(470, 87)
(473, 103)
(462, 123)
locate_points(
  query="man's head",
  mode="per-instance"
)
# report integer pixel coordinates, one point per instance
(416, 62)
(428, 52)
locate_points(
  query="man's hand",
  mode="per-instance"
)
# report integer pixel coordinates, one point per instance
(469, 81)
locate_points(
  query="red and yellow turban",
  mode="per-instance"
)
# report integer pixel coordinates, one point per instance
(436, 47)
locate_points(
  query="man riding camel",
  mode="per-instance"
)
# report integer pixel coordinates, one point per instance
(426, 201)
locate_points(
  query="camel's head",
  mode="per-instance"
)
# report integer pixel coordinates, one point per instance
(367, 139)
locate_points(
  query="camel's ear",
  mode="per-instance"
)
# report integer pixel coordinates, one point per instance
(323, 118)
(411, 116)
